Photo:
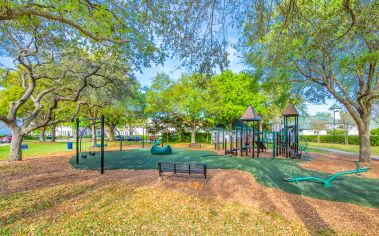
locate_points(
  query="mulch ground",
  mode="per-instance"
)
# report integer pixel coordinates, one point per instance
(223, 185)
(332, 163)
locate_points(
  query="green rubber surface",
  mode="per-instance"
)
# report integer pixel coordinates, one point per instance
(267, 171)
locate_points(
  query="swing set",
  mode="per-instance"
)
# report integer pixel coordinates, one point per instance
(86, 149)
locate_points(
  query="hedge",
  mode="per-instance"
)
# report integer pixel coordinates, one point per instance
(352, 139)
(186, 137)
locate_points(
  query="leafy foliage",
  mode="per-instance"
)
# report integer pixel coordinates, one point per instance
(329, 48)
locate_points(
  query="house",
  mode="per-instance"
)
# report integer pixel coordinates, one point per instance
(307, 125)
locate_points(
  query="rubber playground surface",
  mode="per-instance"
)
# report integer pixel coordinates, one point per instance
(267, 171)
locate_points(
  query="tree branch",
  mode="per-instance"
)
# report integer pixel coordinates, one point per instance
(12, 14)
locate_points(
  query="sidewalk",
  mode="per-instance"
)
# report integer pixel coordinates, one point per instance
(342, 152)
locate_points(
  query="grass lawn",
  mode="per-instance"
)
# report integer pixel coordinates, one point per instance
(37, 149)
(267, 171)
(119, 208)
(341, 147)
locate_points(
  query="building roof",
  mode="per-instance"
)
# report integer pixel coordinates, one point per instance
(334, 107)
(291, 111)
(250, 115)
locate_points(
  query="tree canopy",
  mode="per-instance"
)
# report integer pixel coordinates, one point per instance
(330, 49)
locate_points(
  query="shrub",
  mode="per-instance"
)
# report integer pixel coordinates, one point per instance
(186, 137)
(340, 139)
(338, 132)
(375, 131)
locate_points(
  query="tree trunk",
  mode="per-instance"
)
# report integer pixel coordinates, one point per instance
(42, 134)
(93, 131)
(15, 148)
(318, 137)
(193, 135)
(53, 137)
(111, 132)
(364, 146)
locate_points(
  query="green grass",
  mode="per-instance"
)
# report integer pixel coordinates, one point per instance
(267, 171)
(310, 149)
(342, 147)
(37, 149)
(119, 208)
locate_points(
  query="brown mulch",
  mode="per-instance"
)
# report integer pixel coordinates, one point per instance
(332, 163)
(223, 185)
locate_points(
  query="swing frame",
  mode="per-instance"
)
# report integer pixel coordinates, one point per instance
(79, 136)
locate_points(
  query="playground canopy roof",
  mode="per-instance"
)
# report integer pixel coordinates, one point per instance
(291, 111)
(250, 115)
(335, 107)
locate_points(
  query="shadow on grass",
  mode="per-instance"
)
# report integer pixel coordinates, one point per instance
(267, 171)
(32, 203)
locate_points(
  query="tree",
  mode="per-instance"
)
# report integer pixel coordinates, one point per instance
(318, 125)
(230, 94)
(188, 97)
(142, 31)
(179, 103)
(137, 33)
(46, 84)
(330, 48)
(347, 124)
(115, 116)
(135, 106)
(108, 101)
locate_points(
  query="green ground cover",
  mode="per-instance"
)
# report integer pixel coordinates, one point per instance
(342, 147)
(37, 149)
(267, 171)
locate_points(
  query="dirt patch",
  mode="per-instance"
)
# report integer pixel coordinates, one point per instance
(223, 185)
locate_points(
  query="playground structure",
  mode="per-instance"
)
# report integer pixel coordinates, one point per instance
(327, 182)
(246, 136)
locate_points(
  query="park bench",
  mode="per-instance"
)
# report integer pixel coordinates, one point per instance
(182, 168)
(194, 145)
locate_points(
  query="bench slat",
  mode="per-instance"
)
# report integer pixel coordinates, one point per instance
(194, 168)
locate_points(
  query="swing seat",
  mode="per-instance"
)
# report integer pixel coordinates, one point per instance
(92, 153)
(83, 156)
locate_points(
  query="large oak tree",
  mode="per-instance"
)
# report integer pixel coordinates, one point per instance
(330, 48)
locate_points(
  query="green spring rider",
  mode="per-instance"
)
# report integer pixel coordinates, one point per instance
(327, 182)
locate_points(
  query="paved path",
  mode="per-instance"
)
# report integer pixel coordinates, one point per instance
(342, 152)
